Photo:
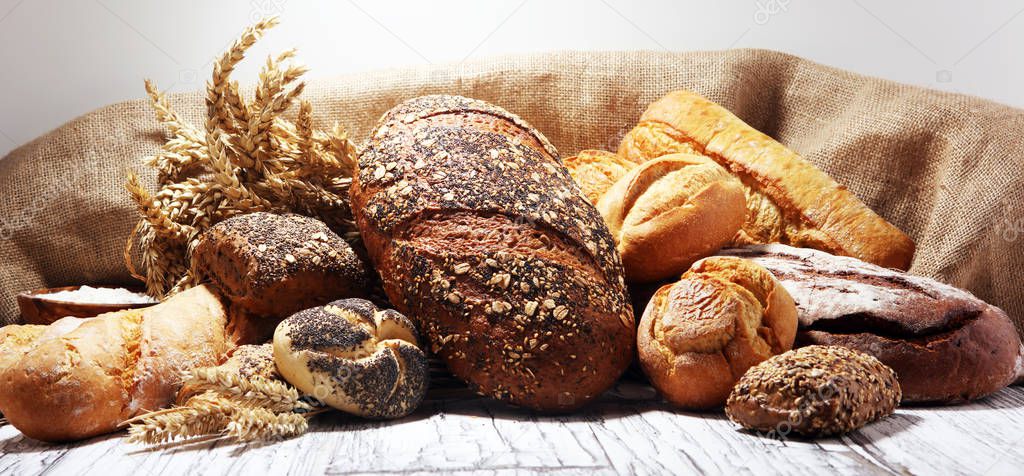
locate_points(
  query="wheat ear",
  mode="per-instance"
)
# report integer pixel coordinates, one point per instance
(249, 424)
(204, 415)
(251, 392)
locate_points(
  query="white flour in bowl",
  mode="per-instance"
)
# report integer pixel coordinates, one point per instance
(91, 295)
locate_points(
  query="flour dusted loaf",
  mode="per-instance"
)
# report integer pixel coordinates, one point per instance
(480, 234)
(82, 377)
(945, 345)
(789, 200)
(269, 266)
(701, 333)
(354, 357)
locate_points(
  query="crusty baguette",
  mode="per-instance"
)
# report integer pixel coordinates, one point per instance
(481, 236)
(789, 200)
(92, 374)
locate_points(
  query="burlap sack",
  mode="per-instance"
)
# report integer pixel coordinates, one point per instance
(946, 168)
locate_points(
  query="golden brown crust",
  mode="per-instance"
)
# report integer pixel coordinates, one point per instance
(84, 382)
(789, 200)
(669, 212)
(480, 234)
(700, 334)
(15, 340)
(595, 171)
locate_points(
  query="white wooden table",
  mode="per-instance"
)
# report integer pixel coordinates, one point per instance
(627, 432)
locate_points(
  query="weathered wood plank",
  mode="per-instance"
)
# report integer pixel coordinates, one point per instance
(627, 432)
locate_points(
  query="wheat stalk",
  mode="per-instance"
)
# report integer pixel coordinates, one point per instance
(247, 157)
(252, 392)
(249, 424)
(203, 415)
(226, 405)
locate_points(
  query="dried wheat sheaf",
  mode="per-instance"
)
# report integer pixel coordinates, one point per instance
(249, 156)
(224, 404)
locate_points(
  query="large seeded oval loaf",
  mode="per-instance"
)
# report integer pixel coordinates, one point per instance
(481, 236)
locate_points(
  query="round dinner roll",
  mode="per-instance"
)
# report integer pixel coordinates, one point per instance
(671, 211)
(595, 171)
(354, 357)
(269, 266)
(700, 334)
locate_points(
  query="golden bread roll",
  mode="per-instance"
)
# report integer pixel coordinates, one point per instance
(789, 200)
(669, 212)
(354, 357)
(596, 170)
(699, 335)
(92, 374)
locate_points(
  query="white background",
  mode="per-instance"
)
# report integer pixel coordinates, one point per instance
(62, 58)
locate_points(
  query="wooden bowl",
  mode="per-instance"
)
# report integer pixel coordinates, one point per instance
(37, 310)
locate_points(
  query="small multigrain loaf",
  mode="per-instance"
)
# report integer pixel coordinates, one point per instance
(814, 391)
(354, 357)
(480, 234)
(667, 213)
(700, 334)
(946, 345)
(789, 200)
(269, 266)
(88, 375)
(596, 170)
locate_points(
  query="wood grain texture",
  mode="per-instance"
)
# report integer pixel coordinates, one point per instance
(628, 431)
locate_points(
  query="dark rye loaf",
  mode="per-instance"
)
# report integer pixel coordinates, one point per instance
(944, 344)
(480, 234)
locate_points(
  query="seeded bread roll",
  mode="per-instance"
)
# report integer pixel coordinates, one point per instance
(789, 200)
(671, 211)
(354, 357)
(81, 378)
(700, 334)
(814, 391)
(269, 266)
(480, 234)
(595, 171)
